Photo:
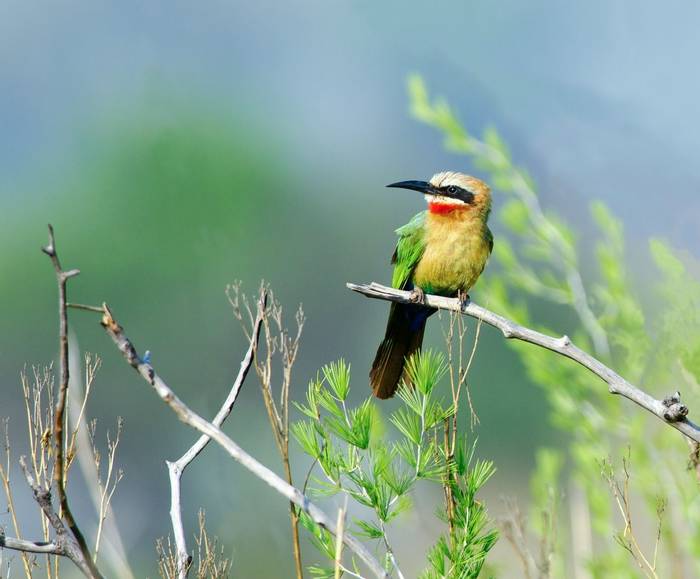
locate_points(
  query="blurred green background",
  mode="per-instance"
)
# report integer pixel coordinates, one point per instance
(177, 147)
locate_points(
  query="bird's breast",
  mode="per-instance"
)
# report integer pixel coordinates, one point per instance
(456, 251)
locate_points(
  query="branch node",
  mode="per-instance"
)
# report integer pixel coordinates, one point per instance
(108, 321)
(672, 399)
(507, 332)
(70, 273)
(675, 411)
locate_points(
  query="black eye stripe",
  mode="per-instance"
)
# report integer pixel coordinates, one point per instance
(457, 192)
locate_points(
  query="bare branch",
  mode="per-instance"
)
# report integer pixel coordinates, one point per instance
(191, 418)
(65, 543)
(87, 308)
(175, 469)
(670, 410)
(87, 565)
(25, 546)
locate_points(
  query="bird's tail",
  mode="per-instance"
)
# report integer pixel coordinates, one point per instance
(404, 336)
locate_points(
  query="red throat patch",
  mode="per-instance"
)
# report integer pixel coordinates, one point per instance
(445, 208)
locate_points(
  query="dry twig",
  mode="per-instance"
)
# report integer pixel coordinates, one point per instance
(175, 469)
(211, 561)
(5, 479)
(627, 538)
(277, 341)
(69, 540)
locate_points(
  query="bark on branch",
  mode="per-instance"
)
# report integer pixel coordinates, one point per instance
(82, 557)
(191, 418)
(64, 545)
(670, 410)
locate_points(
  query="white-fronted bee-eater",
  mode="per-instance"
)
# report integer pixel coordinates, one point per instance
(442, 251)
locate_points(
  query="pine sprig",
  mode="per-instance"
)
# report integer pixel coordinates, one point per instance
(379, 471)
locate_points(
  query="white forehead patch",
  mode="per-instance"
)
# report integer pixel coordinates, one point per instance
(447, 178)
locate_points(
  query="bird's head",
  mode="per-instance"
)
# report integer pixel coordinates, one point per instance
(449, 191)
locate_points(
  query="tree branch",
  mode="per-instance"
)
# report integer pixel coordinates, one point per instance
(175, 469)
(87, 565)
(191, 418)
(40, 547)
(64, 545)
(669, 410)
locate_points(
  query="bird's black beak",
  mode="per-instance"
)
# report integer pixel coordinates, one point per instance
(421, 186)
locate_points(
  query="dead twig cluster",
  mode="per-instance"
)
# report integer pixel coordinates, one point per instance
(276, 342)
(627, 539)
(52, 449)
(209, 561)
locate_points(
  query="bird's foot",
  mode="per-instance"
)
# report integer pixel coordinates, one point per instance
(463, 298)
(417, 296)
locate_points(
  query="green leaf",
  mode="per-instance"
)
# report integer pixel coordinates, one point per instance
(337, 376)
(425, 369)
(369, 529)
(305, 434)
(408, 424)
(329, 403)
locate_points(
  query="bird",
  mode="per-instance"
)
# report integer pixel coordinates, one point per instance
(442, 250)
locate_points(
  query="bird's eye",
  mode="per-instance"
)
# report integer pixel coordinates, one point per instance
(452, 189)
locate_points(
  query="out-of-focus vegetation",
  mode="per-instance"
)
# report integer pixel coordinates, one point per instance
(655, 345)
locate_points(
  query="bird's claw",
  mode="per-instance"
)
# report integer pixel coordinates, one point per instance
(463, 298)
(417, 296)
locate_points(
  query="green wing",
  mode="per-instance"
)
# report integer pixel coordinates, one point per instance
(409, 250)
(489, 239)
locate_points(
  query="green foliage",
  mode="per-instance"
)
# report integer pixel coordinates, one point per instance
(463, 552)
(379, 472)
(658, 347)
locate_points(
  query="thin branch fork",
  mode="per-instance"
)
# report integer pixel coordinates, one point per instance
(176, 468)
(191, 418)
(65, 543)
(670, 410)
